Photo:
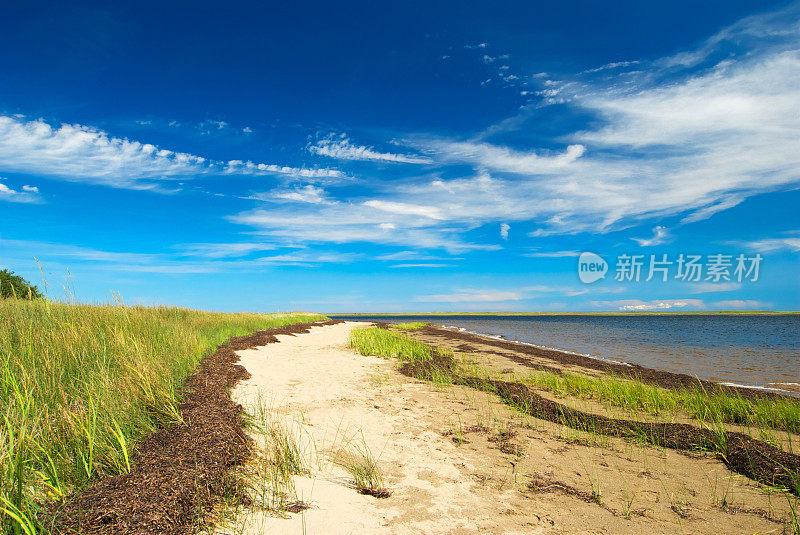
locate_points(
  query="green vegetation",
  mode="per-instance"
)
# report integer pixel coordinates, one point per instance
(79, 385)
(14, 286)
(357, 459)
(708, 407)
(411, 326)
(388, 344)
(711, 407)
(268, 477)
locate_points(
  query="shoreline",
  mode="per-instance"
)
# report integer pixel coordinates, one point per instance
(562, 313)
(728, 384)
(662, 378)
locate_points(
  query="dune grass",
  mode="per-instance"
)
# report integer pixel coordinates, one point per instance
(410, 326)
(80, 384)
(357, 459)
(388, 344)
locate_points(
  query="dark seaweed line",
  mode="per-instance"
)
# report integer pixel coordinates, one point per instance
(181, 472)
(753, 458)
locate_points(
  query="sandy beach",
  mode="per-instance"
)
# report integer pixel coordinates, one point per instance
(458, 460)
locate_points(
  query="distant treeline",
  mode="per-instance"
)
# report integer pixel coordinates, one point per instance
(12, 285)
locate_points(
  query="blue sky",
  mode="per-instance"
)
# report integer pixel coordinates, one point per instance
(403, 157)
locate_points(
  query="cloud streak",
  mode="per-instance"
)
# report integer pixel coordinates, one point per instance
(84, 154)
(341, 148)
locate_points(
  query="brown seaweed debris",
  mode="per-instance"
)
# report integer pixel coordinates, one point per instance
(178, 473)
(741, 453)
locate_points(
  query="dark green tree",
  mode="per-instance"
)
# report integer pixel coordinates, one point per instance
(13, 285)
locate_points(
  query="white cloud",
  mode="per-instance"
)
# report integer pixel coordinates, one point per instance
(223, 250)
(341, 148)
(660, 235)
(84, 154)
(405, 255)
(405, 209)
(239, 167)
(420, 265)
(696, 144)
(345, 222)
(213, 258)
(632, 305)
(742, 304)
(28, 194)
(769, 245)
(308, 194)
(612, 65)
(705, 287)
(494, 158)
(552, 254)
(504, 228)
(668, 143)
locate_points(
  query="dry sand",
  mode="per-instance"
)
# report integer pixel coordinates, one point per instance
(450, 470)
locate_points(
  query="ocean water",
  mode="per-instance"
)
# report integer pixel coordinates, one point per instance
(759, 351)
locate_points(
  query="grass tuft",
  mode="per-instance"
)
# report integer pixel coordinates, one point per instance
(388, 344)
(362, 465)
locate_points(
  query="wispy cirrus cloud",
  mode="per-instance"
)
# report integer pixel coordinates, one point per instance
(341, 148)
(471, 296)
(552, 254)
(742, 304)
(223, 250)
(307, 194)
(706, 287)
(188, 258)
(84, 154)
(401, 208)
(669, 141)
(791, 242)
(660, 235)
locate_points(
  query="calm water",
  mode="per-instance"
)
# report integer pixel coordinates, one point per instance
(748, 350)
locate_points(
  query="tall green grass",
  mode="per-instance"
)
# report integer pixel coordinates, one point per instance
(699, 403)
(80, 384)
(411, 325)
(388, 344)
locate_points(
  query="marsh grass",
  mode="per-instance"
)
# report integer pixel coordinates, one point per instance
(706, 406)
(80, 384)
(410, 326)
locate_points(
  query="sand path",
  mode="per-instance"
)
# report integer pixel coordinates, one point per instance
(338, 397)
(334, 399)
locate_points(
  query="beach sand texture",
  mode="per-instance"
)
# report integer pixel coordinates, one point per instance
(457, 460)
